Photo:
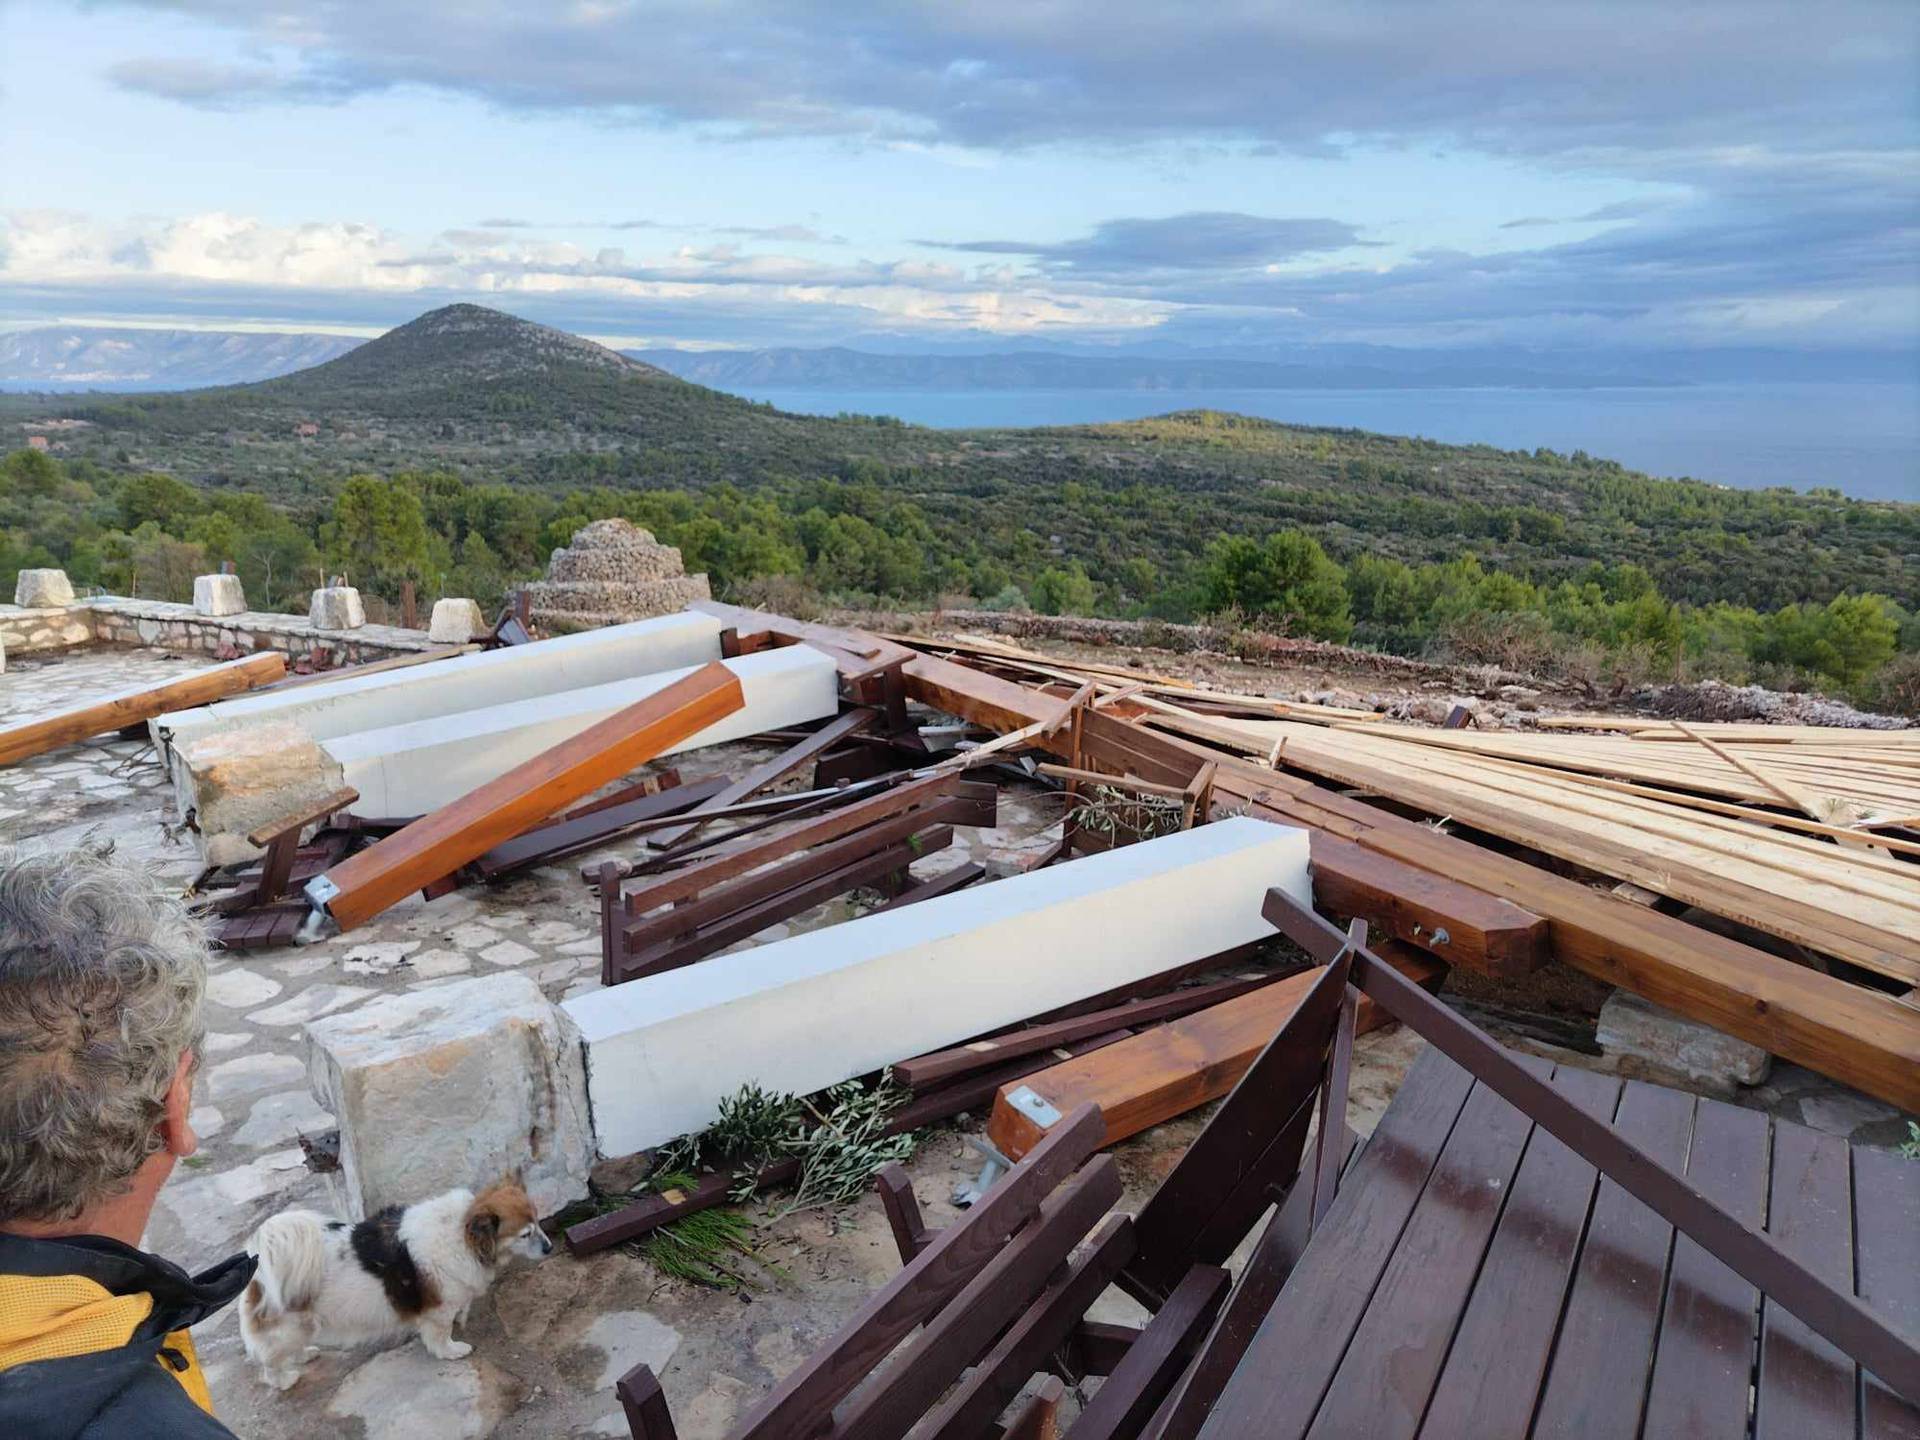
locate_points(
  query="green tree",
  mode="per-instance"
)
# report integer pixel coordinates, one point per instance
(1289, 579)
(1063, 590)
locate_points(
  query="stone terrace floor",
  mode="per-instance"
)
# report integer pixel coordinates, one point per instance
(549, 1340)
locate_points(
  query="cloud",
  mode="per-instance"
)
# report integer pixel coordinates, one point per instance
(1206, 240)
(1576, 76)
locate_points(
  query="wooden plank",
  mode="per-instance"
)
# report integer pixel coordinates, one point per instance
(130, 707)
(945, 883)
(438, 844)
(1703, 1369)
(923, 1071)
(1305, 1334)
(672, 951)
(306, 815)
(1461, 925)
(801, 752)
(802, 1401)
(1498, 1360)
(1162, 1072)
(1035, 1335)
(599, 826)
(682, 884)
(1886, 1234)
(1128, 1398)
(951, 1339)
(1808, 1388)
(1425, 1285)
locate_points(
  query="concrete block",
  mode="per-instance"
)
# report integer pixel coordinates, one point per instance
(1649, 1043)
(455, 622)
(218, 595)
(336, 607)
(454, 1085)
(419, 766)
(809, 1011)
(41, 588)
(251, 776)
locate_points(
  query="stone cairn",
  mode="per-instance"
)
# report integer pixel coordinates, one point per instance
(612, 572)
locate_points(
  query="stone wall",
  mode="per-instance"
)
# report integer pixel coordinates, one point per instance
(111, 621)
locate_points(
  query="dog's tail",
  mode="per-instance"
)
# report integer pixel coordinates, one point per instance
(292, 1249)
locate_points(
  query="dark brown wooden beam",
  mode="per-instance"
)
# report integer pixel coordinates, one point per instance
(801, 752)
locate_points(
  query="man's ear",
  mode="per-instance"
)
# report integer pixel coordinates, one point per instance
(175, 1132)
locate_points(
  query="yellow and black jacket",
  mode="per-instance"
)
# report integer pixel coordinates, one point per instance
(94, 1343)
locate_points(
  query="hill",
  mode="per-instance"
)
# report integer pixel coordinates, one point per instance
(70, 357)
(494, 399)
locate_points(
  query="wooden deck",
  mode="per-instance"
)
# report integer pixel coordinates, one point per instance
(1475, 1277)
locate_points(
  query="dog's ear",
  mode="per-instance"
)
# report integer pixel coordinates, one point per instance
(483, 1234)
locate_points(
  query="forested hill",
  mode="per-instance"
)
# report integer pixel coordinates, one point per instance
(497, 400)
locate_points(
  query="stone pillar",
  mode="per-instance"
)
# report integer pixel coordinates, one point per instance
(454, 1085)
(253, 775)
(336, 607)
(455, 622)
(218, 595)
(41, 589)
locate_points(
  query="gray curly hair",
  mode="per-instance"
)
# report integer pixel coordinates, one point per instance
(102, 976)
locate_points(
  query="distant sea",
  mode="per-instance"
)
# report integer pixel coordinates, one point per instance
(1861, 439)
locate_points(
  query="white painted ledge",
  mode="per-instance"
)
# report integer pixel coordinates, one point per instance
(417, 767)
(807, 1012)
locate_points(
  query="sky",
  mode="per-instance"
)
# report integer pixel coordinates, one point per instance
(1577, 178)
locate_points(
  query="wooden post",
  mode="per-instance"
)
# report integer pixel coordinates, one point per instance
(409, 606)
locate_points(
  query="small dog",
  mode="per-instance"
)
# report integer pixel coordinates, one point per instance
(325, 1284)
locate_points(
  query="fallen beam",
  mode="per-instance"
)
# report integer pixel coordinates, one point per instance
(664, 1051)
(438, 844)
(1165, 1071)
(122, 708)
(412, 768)
(799, 753)
(597, 826)
(1461, 925)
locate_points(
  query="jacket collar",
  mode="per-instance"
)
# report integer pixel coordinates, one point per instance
(179, 1299)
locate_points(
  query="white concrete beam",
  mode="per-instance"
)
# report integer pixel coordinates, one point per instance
(803, 1013)
(327, 708)
(417, 767)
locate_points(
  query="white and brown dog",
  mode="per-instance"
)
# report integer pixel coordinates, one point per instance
(325, 1284)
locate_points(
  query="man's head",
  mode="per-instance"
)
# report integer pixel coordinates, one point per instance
(101, 982)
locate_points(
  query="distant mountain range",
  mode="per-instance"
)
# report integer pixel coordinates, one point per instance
(837, 368)
(84, 357)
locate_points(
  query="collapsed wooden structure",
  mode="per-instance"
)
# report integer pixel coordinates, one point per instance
(1516, 1249)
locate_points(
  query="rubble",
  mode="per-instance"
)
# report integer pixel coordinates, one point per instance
(1644, 1040)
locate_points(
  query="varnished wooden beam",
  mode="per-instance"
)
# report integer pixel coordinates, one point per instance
(438, 844)
(132, 707)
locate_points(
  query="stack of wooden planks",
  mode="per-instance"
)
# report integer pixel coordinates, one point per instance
(1852, 901)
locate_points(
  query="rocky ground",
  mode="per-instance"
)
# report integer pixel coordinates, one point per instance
(550, 1340)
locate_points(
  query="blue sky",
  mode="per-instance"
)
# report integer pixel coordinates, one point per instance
(1568, 177)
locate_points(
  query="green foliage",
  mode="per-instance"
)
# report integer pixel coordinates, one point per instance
(1287, 582)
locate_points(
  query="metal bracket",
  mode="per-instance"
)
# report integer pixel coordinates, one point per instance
(973, 1191)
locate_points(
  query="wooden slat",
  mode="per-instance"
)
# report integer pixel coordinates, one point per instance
(1886, 1234)
(1424, 1288)
(599, 826)
(435, 845)
(1807, 1387)
(306, 815)
(951, 1340)
(1498, 1360)
(801, 1402)
(947, 882)
(1703, 1370)
(130, 707)
(801, 752)
(1606, 1342)
(944, 1065)
(1128, 1398)
(1035, 1335)
(1305, 1334)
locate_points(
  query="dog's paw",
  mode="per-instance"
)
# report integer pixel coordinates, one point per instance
(452, 1350)
(282, 1379)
